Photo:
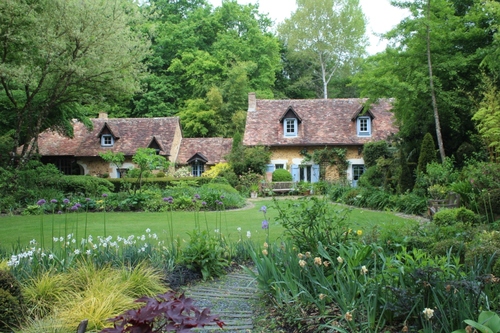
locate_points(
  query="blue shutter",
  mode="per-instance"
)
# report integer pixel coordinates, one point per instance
(295, 173)
(270, 168)
(315, 173)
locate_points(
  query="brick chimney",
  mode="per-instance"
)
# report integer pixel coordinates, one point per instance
(103, 115)
(252, 102)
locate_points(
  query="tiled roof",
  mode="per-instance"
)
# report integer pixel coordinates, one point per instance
(324, 122)
(133, 133)
(213, 149)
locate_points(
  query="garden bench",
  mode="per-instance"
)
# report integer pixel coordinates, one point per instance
(451, 201)
(280, 187)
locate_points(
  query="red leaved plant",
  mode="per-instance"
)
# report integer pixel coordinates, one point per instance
(163, 313)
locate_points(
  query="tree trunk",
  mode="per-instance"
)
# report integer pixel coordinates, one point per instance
(431, 82)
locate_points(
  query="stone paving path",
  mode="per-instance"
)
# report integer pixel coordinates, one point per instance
(233, 297)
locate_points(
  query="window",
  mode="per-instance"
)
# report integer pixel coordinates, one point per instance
(279, 166)
(107, 140)
(198, 168)
(290, 127)
(364, 126)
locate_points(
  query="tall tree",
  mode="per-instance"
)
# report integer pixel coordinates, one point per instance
(57, 56)
(462, 37)
(433, 91)
(330, 33)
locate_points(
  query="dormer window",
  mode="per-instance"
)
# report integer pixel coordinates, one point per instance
(364, 126)
(108, 136)
(107, 140)
(197, 162)
(291, 121)
(290, 127)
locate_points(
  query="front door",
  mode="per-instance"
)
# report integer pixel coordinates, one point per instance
(357, 171)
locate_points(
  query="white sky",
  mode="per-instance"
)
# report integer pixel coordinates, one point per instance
(381, 16)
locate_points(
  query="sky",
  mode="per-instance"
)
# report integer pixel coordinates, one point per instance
(381, 16)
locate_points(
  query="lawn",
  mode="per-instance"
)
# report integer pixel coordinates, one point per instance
(22, 229)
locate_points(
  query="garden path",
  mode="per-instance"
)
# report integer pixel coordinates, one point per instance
(233, 297)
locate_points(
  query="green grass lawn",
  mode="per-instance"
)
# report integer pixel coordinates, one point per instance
(22, 229)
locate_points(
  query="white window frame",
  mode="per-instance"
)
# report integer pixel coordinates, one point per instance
(103, 140)
(293, 122)
(283, 162)
(368, 130)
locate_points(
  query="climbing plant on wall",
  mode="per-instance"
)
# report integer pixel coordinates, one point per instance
(325, 157)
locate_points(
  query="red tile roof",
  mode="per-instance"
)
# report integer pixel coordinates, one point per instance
(132, 133)
(213, 149)
(324, 122)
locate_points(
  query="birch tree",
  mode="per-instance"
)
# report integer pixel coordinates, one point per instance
(330, 33)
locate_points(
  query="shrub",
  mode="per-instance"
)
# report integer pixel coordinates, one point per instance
(163, 313)
(282, 175)
(372, 177)
(216, 170)
(372, 151)
(10, 310)
(311, 221)
(452, 216)
(10, 300)
(206, 254)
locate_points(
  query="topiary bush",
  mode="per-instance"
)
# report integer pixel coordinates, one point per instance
(427, 153)
(282, 175)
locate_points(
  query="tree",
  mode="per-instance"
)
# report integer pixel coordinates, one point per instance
(147, 160)
(330, 33)
(59, 56)
(198, 48)
(432, 89)
(427, 153)
(116, 159)
(487, 119)
(461, 38)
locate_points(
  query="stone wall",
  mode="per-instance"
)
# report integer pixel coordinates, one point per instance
(292, 156)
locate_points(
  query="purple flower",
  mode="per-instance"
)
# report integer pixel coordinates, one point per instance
(74, 208)
(263, 209)
(53, 201)
(87, 199)
(41, 202)
(265, 224)
(204, 203)
(219, 202)
(197, 196)
(221, 197)
(78, 205)
(168, 199)
(194, 200)
(66, 201)
(59, 212)
(104, 195)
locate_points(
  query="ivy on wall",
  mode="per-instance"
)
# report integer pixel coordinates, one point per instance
(328, 156)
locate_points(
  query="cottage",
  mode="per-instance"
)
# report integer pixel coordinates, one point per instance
(80, 155)
(290, 127)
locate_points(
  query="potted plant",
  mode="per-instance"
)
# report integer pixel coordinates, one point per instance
(254, 190)
(304, 188)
